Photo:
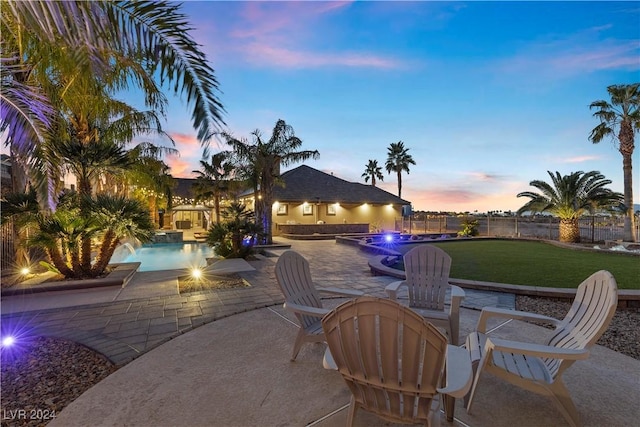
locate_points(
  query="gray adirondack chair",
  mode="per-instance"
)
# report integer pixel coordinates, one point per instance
(539, 367)
(427, 280)
(303, 298)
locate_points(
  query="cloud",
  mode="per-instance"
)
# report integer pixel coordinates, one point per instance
(278, 34)
(265, 54)
(584, 52)
(580, 159)
(485, 177)
(180, 167)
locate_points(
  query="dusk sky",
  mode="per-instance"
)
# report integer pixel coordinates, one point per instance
(486, 96)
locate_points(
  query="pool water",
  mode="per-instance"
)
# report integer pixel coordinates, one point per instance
(170, 256)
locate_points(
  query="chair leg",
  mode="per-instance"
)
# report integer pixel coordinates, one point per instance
(353, 407)
(298, 344)
(564, 403)
(477, 371)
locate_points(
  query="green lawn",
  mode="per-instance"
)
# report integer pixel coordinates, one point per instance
(535, 263)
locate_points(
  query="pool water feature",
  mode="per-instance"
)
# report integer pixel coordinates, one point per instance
(170, 256)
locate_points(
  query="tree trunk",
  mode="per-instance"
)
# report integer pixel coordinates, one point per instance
(104, 253)
(400, 184)
(58, 262)
(569, 230)
(626, 149)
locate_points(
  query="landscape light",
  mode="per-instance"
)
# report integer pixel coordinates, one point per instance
(388, 238)
(25, 271)
(196, 273)
(8, 341)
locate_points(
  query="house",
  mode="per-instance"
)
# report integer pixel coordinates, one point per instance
(312, 201)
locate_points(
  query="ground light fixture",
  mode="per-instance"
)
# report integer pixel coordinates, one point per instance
(388, 238)
(196, 273)
(25, 271)
(8, 341)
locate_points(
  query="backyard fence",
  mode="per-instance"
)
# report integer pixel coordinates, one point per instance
(592, 229)
(7, 247)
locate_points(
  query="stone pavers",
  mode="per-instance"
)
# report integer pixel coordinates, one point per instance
(124, 329)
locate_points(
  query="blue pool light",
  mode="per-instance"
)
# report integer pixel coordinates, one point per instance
(8, 341)
(388, 238)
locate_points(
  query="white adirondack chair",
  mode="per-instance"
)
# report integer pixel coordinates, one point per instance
(538, 368)
(427, 280)
(302, 298)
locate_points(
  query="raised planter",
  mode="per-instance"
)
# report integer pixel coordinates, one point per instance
(120, 275)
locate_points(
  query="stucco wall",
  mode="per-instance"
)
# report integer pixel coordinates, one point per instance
(379, 217)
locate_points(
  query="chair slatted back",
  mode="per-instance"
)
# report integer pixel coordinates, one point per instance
(588, 318)
(294, 278)
(427, 276)
(390, 357)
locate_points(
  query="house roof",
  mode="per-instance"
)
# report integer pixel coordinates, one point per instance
(305, 183)
(183, 187)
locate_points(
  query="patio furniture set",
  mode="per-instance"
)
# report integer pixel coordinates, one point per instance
(395, 359)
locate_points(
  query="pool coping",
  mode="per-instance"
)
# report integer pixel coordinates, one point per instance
(120, 275)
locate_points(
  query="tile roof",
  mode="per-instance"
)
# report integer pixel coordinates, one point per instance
(305, 183)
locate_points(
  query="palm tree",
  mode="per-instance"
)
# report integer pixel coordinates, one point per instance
(373, 171)
(63, 233)
(119, 218)
(148, 42)
(212, 181)
(621, 118)
(569, 197)
(265, 159)
(398, 160)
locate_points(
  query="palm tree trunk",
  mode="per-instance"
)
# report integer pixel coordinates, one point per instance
(569, 230)
(626, 149)
(58, 262)
(400, 184)
(108, 246)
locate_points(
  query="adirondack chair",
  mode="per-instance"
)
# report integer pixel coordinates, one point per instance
(302, 298)
(427, 279)
(538, 368)
(393, 361)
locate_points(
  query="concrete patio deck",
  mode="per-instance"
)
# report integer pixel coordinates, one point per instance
(191, 370)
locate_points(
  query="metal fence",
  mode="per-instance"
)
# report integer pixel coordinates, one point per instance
(592, 229)
(7, 246)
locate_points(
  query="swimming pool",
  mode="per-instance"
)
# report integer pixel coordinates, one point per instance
(168, 256)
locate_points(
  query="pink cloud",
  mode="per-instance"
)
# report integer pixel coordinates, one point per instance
(580, 159)
(275, 34)
(290, 58)
(180, 168)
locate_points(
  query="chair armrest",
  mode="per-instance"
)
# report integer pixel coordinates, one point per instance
(531, 349)
(305, 309)
(489, 312)
(393, 287)
(457, 295)
(339, 291)
(459, 374)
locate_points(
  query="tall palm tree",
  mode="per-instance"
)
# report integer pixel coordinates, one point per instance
(373, 171)
(265, 158)
(212, 181)
(569, 197)
(621, 118)
(398, 160)
(149, 42)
